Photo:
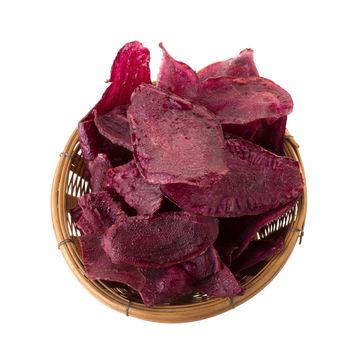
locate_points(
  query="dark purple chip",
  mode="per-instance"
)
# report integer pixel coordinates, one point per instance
(258, 181)
(236, 233)
(221, 284)
(242, 66)
(165, 285)
(98, 265)
(204, 265)
(98, 212)
(177, 77)
(115, 127)
(127, 181)
(162, 240)
(98, 168)
(92, 143)
(256, 252)
(175, 140)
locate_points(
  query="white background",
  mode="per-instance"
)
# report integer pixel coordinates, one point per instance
(54, 59)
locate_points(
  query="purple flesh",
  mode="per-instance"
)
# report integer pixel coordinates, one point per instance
(98, 265)
(221, 284)
(162, 240)
(256, 252)
(115, 127)
(98, 212)
(174, 140)
(177, 77)
(236, 233)
(98, 168)
(127, 181)
(242, 66)
(165, 285)
(258, 181)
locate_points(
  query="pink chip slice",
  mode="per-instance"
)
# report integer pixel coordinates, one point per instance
(175, 140)
(242, 66)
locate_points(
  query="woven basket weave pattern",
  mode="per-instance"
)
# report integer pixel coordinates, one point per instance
(70, 182)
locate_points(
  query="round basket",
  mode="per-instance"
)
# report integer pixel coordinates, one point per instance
(69, 183)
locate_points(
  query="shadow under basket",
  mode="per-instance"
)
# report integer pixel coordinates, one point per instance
(69, 183)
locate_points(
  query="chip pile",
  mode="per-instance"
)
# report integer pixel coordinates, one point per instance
(183, 174)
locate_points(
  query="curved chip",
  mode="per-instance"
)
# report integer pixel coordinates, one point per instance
(242, 66)
(129, 69)
(177, 77)
(98, 265)
(160, 241)
(221, 284)
(243, 100)
(127, 181)
(115, 127)
(98, 168)
(258, 181)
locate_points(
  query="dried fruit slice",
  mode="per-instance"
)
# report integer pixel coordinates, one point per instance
(126, 180)
(258, 181)
(98, 168)
(258, 251)
(160, 241)
(243, 100)
(165, 285)
(220, 284)
(92, 143)
(236, 233)
(115, 127)
(98, 265)
(129, 69)
(242, 66)
(98, 212)
(177, 77)
(174, 140)
(204, 265)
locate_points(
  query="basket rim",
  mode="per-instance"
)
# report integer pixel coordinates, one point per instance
(166, 313)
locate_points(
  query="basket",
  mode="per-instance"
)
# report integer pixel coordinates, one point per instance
(69, 183)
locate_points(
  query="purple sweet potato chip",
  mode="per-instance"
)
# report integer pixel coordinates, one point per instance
(127, 181)
(162, 240)
(236, 233)
(242, 66)
(92, 143)
(98, 265)
(98, 212)
(256, 252)
(258, 181)
(242, 100)
(129, 69)
(177, 77)
(98, 168)
(175, 140)
(221, 284)
(115, 127)
(165, 285)
(267, 133)
(254, 108)
(204, 265)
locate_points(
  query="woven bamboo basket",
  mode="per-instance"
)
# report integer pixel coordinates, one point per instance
(69, 183)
